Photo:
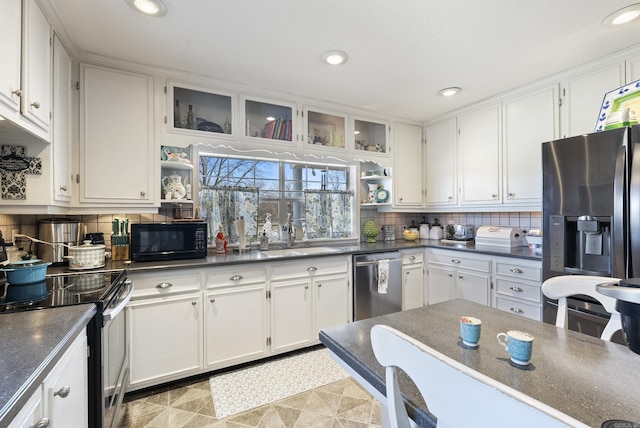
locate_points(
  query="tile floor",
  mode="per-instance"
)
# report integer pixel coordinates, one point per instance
(342, 404)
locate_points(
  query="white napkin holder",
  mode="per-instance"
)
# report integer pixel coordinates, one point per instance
(500, 236)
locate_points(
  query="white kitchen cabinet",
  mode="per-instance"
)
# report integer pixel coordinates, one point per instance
(118, 156)
(306, 296)
(528, 121)
(408, 170)
(165, 327)
(269, 121)
(36, 66)
(62, 399)
(11, 47)
(324, 130)
(236, 322)
(62, 135)
(454, 274)
(583, 93)
(633, 69)
(66, 388)
(413, 284)
(371, 137)
(479, 161)
(441, 164)
(517, 287)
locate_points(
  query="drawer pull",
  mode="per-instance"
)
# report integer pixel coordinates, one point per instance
(516, 310)
(450, 275)
(460, 276)
(63, 392)
(212, 300)
(306, 287)
(517, 289)
(35, 104)
(412, 258)
(319, 285)
(194, 303)
(42, 423)
(517, 270)
(456, 261)
(312, 269)
(17, 93)
(236, 278)
(164, 285)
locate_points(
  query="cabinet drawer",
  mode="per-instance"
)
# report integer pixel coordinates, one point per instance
(226, 277)
(461, 262)
(519, 270)
(309, 267)
(528, 310)
(411, 258)
(167, 282)
(519, 290)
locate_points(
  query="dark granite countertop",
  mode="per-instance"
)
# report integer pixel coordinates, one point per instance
(234, 257)
(589, 379)
(32, 342)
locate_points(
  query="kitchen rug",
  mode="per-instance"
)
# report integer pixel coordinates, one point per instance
(247, 388)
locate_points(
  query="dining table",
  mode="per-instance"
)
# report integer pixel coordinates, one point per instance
(590, 381)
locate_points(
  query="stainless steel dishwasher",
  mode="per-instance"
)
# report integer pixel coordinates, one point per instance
(367, 301)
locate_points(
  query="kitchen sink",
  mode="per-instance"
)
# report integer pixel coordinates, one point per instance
(301, 251)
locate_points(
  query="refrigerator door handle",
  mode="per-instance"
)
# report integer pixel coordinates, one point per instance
(634, 213)
(618, 248)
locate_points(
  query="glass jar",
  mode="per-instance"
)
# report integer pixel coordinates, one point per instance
(177, 211)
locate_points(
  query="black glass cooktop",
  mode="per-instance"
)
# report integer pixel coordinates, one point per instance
(56, 291)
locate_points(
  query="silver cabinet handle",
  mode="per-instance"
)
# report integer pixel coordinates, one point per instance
(517, 270)
(517, 289)
(460, 276)
(42, 423)
(319, 285)
(212, 300)
(516, 310)
(17, 92)
(63, 188)
(143, 193)
(412, 258)
(63, 392)
(511, 194)
(450, 275)
(450, 198)
(164, 285)
(312, 269)
(494, 195)
(306, 287)
(407, 273)
(456, 261)
(236, 278)
(194, 303)
(35, 104)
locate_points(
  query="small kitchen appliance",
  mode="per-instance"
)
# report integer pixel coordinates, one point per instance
(58, 231)
(168, 241)
(499, 237)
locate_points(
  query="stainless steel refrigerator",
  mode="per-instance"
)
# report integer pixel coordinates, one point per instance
(591, 215)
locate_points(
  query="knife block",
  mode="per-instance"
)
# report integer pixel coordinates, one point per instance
(119, 252)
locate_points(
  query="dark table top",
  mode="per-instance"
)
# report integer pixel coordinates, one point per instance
(586, 378)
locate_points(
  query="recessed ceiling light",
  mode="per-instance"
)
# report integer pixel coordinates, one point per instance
(148, 7)
(335, 57)
(449, 92)
(622, 16)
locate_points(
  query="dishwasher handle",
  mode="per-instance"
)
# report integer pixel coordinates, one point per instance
(375, 262)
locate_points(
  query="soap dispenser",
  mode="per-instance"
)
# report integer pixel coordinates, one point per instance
(264, 241)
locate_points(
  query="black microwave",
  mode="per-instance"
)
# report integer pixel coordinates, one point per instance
(168, 241)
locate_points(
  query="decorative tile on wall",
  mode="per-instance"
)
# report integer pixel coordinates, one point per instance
(14, 167)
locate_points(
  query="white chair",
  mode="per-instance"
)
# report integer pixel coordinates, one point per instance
(457, 395)
(561, 287)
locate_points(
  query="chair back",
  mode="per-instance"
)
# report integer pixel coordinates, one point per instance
(455, 394)
(561, 287)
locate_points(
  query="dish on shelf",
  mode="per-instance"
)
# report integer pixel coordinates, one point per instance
(382, 195)
(627, 96)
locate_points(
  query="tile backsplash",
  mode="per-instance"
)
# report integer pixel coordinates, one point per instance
(525, 220)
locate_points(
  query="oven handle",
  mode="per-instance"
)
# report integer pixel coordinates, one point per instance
(112, 313)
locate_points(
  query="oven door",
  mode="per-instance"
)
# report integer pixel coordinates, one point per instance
(115, 355)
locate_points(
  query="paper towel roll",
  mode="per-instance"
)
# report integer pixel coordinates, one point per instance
(239, 224)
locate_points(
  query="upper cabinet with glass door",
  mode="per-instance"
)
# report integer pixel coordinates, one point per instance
(324, 130)
(269, 120)
(198, 111)
(370, 137)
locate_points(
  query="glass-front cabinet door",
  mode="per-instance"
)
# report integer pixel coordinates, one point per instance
(370, 136)
(269, 119)
(199, 111)
(325, 130)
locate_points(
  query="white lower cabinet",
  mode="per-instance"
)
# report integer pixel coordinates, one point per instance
(165, 327)
(454, 274)
(62, 399)
(413, 284)
(236, 321)
(518, 287)
(307, 296)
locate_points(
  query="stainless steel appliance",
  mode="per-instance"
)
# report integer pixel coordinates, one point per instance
(108, 361)
(168, 241)
(367, 301)
(58, 231)
(591, 215)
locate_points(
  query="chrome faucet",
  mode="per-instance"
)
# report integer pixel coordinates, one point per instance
(291, 230)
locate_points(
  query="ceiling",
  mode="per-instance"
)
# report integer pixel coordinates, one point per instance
(401, 52)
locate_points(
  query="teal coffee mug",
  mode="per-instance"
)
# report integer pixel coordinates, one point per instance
(470, 328)
(519, 345)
